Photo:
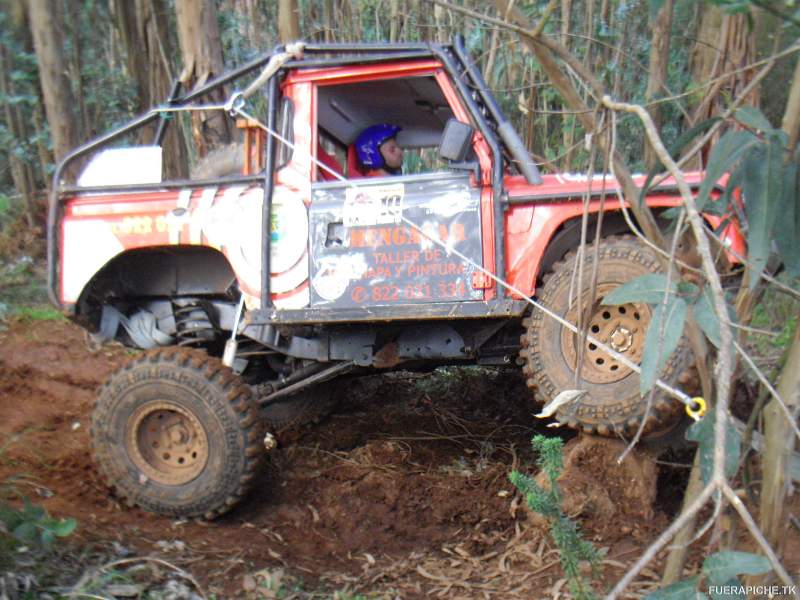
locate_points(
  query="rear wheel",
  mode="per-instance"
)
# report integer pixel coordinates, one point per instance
(177, 433)
(612, 403)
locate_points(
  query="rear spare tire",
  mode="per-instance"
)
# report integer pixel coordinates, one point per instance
(177, 433)
(612, 403)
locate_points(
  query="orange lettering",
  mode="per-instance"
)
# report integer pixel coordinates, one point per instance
(357, 238)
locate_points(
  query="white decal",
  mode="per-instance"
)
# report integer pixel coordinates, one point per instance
(179, 216)
(373, 204)
(123, 166)
(196, 224)
(334, 274)
(234, 224)
(295, 300)
(88, 246)
(289, 231)
(450, 204)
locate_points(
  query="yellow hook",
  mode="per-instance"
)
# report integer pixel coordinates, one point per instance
(697, 409)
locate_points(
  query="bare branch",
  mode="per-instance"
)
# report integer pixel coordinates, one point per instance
(727, 75)
(725, 363)
(751, 525)
(724, 369)
(661, 541)
(662, 327)
(773, 392)
(779, 286)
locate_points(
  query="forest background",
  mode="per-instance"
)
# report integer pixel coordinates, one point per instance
(101, 62)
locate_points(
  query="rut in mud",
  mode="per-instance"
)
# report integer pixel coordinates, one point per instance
(402, 490)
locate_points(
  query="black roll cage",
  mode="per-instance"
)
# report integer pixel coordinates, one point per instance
(479, 102)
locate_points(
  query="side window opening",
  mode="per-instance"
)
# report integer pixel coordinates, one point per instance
(286, 131)
(415, 104)
(331, 153)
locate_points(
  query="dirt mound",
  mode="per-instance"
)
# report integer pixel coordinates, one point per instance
(375, 500)
(594, 484)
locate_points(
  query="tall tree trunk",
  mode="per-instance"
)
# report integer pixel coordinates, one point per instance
(288, 21)
(488, 70)
(620, 57)
(198, 34)
(659, 63)
(777, 432)
(17, 9)
(791, 117)
(76, 69)
(42, 151)
(252, 26)
(394, 14)
(566, 15)
(441, 28)
(780, 443)
(327, 17)
(725, 42)
(21, 172)
(146, 45)
(48, 40)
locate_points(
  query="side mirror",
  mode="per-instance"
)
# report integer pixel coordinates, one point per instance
(456, 141)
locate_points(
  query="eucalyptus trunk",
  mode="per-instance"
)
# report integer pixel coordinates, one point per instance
(659, 64)
(791, 117)
(725, 44)
(780, 439)
(21, 172)
(48, 39)
(288, 21)
(146, 45)
(201, 48)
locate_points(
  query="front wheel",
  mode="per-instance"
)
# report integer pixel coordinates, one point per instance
(612, 403)
(177, 433)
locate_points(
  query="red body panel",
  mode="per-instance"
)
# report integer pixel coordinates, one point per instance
(529, 228)
(96, 228)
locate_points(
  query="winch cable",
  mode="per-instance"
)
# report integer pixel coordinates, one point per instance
(695, 406)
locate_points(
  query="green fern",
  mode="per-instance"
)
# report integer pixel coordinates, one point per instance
(547, 502)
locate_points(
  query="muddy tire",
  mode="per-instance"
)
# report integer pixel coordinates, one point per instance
(304, 408)
(612, 404)
(177, 433)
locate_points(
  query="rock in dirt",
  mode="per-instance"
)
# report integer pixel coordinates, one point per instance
(175, 590)
(593, 485)
(124, 590)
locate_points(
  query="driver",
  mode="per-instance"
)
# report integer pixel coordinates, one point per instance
(378, 152)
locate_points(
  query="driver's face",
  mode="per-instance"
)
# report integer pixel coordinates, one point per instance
(392, 154)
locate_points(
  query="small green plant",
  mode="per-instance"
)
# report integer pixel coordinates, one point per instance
(574, 550)
(38, 313)
(776, 312)
(438, 382)
(32, 525)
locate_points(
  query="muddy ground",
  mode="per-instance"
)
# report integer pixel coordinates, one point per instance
(401, 492)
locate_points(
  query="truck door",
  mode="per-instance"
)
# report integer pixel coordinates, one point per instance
(373, 241)
(387, 240)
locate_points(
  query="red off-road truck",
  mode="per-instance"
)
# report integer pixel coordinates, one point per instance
(318, 272)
